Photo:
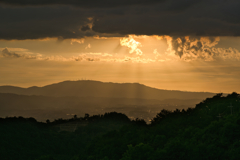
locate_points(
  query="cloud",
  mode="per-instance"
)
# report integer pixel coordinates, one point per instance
(226, 53)
(80, 41)
(26, 55)
(188, 48)
(6, 53)
(87, 57)
(132, 44)
(81, 3)
(199, 48)
(44, 22)
(16, 49)
(138, 60)
(71, 19)
(157, 54)
(85, 28)
(101, 54)
(88, 46)
(84, 57)
(200, 18)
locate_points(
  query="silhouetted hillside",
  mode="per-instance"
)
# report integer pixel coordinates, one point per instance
(211, 130)
(101, 89)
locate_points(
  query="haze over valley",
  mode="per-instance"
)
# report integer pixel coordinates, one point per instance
(69, 98)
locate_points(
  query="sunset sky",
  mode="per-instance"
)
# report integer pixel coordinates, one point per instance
(189, 45)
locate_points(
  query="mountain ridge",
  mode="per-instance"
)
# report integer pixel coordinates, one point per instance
(104, 89)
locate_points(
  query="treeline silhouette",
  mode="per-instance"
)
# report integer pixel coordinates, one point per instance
(211, 130)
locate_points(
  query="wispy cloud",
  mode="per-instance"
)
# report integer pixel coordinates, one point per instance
(80, 41)
(101, 54)
(88, 46)
(28, 55)
(6, 53)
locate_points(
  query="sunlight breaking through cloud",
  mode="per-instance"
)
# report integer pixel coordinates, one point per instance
(132, 44)
(188, 48)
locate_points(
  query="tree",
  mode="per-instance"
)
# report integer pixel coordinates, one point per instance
(48, 121)
(139, 152)
(75, 116)
(86, 117)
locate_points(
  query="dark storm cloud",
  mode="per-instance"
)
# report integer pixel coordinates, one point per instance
(81, 3)
(71, 19)
(85, 28)
(42, 22)
(201, 19)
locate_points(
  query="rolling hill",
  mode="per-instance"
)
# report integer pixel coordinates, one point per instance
(87, 88)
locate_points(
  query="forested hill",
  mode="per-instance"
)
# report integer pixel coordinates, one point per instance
(87, 88)
(211, 130)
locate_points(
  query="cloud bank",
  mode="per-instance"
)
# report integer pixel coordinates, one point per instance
(81, 3)
(188, 48)
(203, 48)
(78, 19)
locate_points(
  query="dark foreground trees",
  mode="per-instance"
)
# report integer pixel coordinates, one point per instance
(197, 133)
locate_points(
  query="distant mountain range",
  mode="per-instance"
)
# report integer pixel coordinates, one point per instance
(64, 99)
(87, 88)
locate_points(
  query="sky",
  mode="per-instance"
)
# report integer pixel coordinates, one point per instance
(189, 45)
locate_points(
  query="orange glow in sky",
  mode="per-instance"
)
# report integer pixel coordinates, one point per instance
(175, 63)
